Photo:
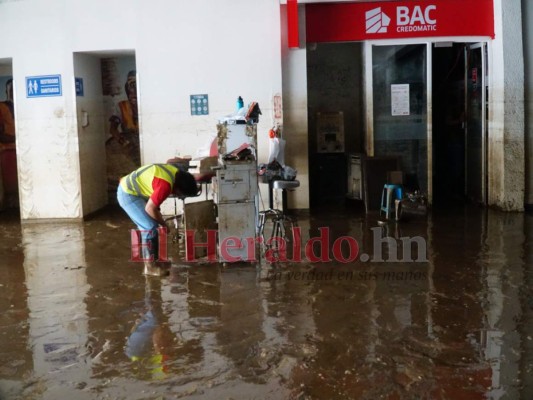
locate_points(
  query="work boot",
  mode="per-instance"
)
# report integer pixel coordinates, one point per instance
(163, 264)
(151, 269)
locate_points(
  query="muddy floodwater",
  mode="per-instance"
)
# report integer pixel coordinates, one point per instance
(432, 308)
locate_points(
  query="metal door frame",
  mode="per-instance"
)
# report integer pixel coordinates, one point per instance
(483, 45)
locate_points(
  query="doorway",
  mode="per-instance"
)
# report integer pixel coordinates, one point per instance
(9, 193)
(424, 104)
(108, 123)
(459, 123)
(427, 107)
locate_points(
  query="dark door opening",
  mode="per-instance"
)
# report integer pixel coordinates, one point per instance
(459, 131)
(9, 189)
(449, 124)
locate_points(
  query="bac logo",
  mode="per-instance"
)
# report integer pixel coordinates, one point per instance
(376, 21)
(417, 15)
(408, 19)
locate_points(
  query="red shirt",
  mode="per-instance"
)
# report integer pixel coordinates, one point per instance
(161, 191)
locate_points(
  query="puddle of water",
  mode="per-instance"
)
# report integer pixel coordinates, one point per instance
(80, 321)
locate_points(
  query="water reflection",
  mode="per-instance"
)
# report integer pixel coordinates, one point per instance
(80, 321)
(502, 258)
(152, 346)
(54, 267)
(16, 359)
(525, 325)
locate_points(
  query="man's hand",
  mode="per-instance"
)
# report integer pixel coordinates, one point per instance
(153, 211)
(165, 225)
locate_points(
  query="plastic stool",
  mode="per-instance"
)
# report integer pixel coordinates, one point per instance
(389, 194)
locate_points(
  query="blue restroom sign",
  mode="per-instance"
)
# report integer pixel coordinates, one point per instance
(43, 86)
(199, 104)
(79, 86)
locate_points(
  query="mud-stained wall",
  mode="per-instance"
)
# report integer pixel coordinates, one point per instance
(295, 110)
(527, 23)
(213, 50)
(506, 164)
(89, 110)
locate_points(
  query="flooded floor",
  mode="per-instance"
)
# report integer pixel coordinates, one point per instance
(444, 313)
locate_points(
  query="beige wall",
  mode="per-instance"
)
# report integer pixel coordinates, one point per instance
(506, 163)
(295, 109)
(527, 23)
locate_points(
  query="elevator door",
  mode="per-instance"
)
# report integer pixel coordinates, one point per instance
(475, 111)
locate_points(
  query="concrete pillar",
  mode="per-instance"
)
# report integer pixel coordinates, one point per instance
(295, 130)
(527, 9)
(506, 164)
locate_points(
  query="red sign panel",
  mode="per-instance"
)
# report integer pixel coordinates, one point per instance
(340, 22)
(292, 23)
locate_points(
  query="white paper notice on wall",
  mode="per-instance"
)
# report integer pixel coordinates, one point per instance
(400, 99)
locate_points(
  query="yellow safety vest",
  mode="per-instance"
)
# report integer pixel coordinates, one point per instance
(139, 182)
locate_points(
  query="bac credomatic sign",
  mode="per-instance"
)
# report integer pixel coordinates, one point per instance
(338, 22)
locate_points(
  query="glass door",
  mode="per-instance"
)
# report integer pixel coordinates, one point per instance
(398, 121)
(475, 112)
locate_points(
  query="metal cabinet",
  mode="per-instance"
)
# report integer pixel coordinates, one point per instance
(236, 182)
(236, 198)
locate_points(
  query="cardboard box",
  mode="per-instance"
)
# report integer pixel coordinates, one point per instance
(205, 164)
(395, 177)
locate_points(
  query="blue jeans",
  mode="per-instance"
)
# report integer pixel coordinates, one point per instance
(134, 207)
